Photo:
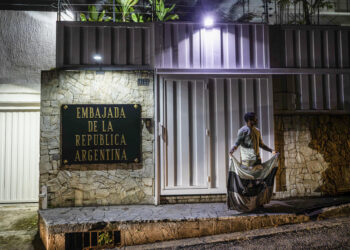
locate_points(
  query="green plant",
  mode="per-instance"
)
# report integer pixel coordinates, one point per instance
(95, 15)
(126, 9)
(162, 13)
(137, 18)
(104, 238)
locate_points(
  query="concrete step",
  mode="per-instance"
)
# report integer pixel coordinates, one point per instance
(144, 224)
(207, 242)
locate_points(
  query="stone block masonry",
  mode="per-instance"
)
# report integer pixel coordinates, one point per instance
(99, 184)
(315, 153)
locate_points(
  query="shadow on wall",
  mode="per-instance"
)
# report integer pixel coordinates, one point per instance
(315, 154)
(330, 136)
(279, 146)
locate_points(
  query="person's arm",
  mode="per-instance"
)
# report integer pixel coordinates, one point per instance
(239, 140)
(263, 146)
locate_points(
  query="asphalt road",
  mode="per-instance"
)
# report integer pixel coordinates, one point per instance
(328, 234)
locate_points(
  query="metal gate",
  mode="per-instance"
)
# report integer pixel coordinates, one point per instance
(198, 121)
(19, 156)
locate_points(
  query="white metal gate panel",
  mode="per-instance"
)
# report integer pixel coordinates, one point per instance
(184, 147)
(199, 120)
(19, 156)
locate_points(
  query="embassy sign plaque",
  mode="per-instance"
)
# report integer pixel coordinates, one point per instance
(100, 134)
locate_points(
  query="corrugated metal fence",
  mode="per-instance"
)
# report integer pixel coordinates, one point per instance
(199, 121)
(19, 156)
(229, 46)
(309, 47)
(177, 45)
(311, 92)
(122, 45)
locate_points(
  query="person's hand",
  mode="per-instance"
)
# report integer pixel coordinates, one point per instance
(274, 152)
(232, 150)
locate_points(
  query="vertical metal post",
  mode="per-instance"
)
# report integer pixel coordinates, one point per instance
(299, 11)
(59, 10)
(276, 17)
(153, 9)
(243, 7)
(312, 13)
(295, 13)
(113, 10)
(266, 12)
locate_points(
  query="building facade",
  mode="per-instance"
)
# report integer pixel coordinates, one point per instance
(201, 82)
(193, 85)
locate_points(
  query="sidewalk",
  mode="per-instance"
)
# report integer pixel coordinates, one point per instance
(144, 224)
(19, 227)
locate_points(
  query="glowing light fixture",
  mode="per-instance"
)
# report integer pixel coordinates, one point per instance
(97, 58)
(208, 21)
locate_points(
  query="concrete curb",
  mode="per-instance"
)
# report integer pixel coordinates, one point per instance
(331, 213)
(334, 211)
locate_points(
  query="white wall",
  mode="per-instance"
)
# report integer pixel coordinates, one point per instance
(27, 46)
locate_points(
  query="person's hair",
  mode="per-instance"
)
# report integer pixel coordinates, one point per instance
(249, 116)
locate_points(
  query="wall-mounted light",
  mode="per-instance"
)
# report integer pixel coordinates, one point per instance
(97, 58)
(208, 21)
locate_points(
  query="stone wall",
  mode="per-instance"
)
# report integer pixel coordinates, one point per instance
(315, 155)
(108, 184)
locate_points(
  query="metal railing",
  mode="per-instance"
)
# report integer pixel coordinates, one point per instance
(256, 11)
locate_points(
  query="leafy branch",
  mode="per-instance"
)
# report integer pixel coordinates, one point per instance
(104, 238)
(95, 15)
(162, 12)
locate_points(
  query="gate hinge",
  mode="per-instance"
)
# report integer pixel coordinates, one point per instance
(209, 179)
(162, 132)
(207, 132)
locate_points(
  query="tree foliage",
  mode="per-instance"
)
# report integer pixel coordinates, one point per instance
(310, 7)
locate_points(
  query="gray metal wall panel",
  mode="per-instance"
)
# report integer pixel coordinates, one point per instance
(264, 103)
(289, 48)
(191, 155)
(198, 127)
(170, 125)
(304, 92)
(266, 46)
(310, 46)
(230, 46)
(330, 87)
(122, 45)
(345, 84)
(318, 92)
(343, 44)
